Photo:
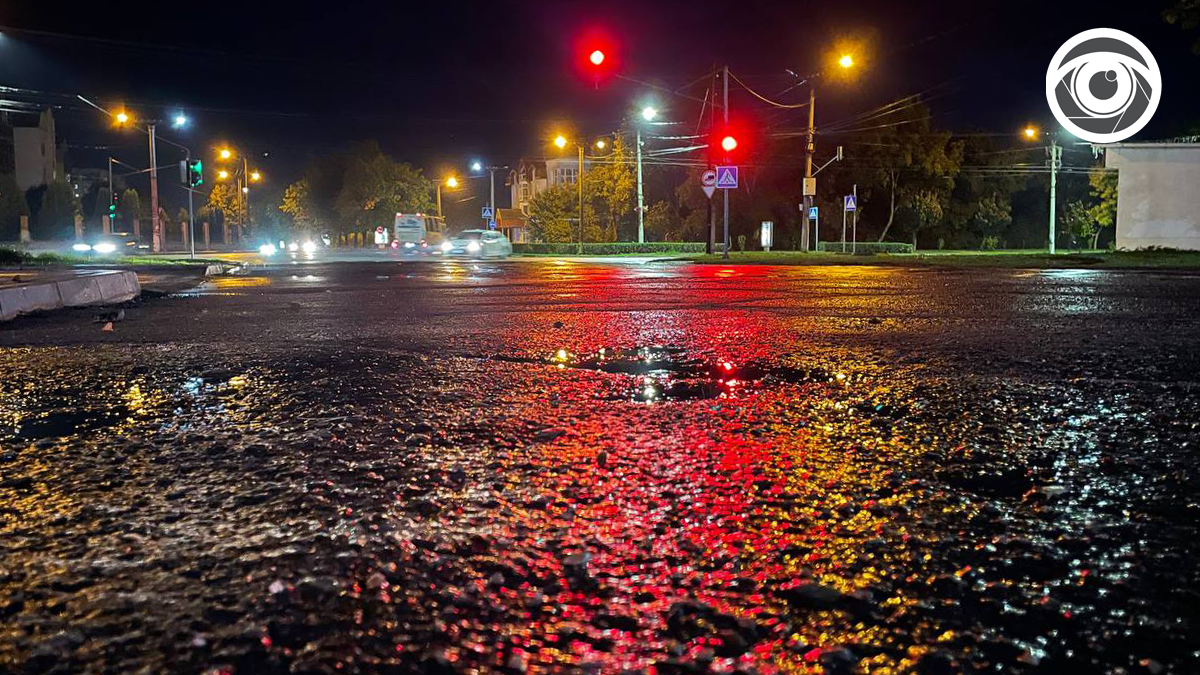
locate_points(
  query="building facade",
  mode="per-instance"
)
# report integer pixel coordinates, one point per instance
(1158, 203)
(35, 153)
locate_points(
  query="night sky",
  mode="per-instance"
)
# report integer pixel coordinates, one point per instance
(439, 84)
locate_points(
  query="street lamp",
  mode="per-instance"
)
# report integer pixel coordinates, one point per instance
(1054, 152)
(180, 120)
(601, 144)
(122, 118)
(476, 167)
(450, 182)
(649, 113)
(255, 176)
(222, 174)
(225, 153)
(809, 186)
(561, 142)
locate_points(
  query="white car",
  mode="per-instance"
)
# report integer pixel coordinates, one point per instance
(478, 244)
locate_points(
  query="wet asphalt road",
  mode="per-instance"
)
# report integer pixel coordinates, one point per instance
(560, 467)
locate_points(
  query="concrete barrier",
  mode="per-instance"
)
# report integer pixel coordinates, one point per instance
(86, 288)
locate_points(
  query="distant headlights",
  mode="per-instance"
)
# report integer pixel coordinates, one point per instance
(105, 247)
(81, 248)
(267, 249)
(309, 247)
(447, 247)
(473, 247)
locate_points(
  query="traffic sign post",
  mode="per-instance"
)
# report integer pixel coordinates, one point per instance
(850, 205)
(486, 213)
(812, 215)
(491, 224)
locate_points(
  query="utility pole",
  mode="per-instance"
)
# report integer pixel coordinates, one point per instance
(1055, 163)
(191, 209)
(641, 206)
(112, 190)
(156, 224)
(808, 172)
(854, 227)
(580, 199)
(725, 85)
(492, 190)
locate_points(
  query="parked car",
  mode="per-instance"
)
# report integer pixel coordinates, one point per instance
(478, 244)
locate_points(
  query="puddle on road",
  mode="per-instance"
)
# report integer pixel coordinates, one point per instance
(66, 422)
(664, 373)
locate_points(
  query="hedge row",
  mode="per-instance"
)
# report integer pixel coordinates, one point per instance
(865, 247)
(612, 248)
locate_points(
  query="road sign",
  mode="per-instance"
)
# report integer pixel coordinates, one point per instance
(381, 236)
(850, 203)
(487, 213)
(812, 213)
(708, 183)
(491, 224)
(727, 177)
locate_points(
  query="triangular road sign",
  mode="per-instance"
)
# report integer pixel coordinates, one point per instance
(851, 203)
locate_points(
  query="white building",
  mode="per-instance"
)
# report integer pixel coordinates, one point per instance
(35, 153)
(533, 177)
(1158, 194)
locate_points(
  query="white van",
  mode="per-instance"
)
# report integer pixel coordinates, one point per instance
(419, 233)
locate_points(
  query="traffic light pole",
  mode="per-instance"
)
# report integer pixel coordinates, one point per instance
(191, 209)
(580, 199)
(725, 84)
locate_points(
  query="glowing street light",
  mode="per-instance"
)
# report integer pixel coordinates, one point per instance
(255, 176)
(560, 141)
(649, 113)
(123, 117)
(476, 166)
(846, 61)
(1030, 132)
(600, 144)
(225, 153)
(222, 174)
(181, 120)
(452, 182)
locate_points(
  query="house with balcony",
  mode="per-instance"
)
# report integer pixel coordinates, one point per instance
(529, 179)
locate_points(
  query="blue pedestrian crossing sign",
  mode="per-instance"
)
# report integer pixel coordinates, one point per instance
(851, 203)
(727, 177)
(487, 213)
(812, 213)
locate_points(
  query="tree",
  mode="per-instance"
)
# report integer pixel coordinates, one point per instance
(374, 188)
(659, 221)
(56, 218)
(12, 207)
(298, 204)
(554, 214)
(609, 188)
(926, 208)
(129, 208)
(1185, 14)
(910, 164)
(1078, 222)
(224, 199)
(1104, 212)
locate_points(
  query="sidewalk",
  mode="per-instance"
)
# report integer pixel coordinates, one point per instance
(25, 291)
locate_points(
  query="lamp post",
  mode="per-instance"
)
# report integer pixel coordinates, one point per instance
(478, 167)
(1054, 153)
(243, 177)
(561, 142)
(648, 114)
(808, 187)
(450, 182)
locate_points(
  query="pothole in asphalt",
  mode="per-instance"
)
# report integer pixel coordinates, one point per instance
(663, 373)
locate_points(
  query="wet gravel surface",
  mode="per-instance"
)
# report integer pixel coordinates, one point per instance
(568, 468)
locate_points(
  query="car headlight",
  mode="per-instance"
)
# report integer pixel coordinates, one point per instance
(267, 249)
(104, 247)
(293, 246)
(473, 247)
(81, 248)
(309, 247)
(409, 244)
(447, 246)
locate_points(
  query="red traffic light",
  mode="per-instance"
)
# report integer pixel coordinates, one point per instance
(729, 143)
(596, 57)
